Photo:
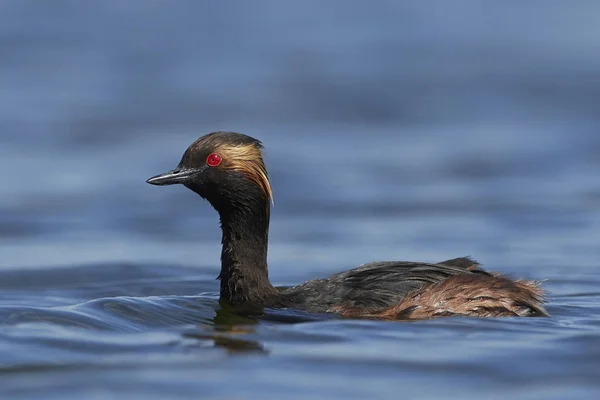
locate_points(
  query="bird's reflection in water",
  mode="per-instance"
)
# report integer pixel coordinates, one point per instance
(230, 325)
(234, 325)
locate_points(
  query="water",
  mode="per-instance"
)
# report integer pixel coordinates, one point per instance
(393, 131)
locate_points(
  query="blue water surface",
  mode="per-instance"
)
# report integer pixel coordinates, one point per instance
(393, 130)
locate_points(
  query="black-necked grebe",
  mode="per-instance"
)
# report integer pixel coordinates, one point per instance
(227, 169)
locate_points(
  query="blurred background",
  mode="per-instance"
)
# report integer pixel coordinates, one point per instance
(393, 130)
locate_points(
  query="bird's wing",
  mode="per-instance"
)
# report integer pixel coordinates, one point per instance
(378, 285)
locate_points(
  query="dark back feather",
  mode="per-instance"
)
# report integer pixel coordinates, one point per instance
(375, 286)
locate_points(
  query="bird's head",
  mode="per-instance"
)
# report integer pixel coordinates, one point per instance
(225, 168)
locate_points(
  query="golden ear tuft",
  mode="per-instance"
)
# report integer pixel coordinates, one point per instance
(247, 159)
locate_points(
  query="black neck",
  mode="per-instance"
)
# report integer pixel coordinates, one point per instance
(244, 274)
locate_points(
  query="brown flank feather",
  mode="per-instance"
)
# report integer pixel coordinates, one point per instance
(465, 295)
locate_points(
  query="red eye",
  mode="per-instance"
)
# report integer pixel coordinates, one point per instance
(213, 160)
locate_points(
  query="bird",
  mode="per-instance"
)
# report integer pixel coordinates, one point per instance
(227, 169)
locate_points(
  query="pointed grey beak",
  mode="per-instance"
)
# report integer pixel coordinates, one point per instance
(178, 175)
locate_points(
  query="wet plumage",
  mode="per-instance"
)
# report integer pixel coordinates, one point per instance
(227, 169)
